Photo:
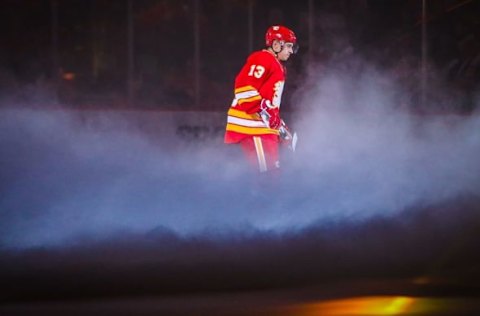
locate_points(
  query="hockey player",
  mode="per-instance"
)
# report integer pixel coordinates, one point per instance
(254, 117)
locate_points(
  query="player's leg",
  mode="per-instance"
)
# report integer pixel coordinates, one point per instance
(262, 152)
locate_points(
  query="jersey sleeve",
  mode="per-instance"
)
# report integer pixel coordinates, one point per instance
(272, 89)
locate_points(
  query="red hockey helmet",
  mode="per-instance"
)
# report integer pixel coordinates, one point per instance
(281, 33)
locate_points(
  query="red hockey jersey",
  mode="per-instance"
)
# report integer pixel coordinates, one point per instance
(262, 77)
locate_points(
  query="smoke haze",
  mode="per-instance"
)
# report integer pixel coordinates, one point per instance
(68, 176)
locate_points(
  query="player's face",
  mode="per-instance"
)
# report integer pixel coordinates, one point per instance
(285, 53)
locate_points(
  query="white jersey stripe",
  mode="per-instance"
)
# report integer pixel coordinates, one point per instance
(245, 122)
(246, 94)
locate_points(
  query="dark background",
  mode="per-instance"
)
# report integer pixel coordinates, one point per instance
(76, 53)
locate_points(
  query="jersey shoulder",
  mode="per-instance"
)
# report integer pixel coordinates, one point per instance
(261, 57)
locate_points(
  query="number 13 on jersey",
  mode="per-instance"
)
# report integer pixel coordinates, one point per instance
(257, 71)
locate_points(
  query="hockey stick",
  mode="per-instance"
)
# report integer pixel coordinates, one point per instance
(287, 135)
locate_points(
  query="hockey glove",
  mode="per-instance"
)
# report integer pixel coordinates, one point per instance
(270, 115)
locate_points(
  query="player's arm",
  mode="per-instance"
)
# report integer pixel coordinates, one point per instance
(271, 92)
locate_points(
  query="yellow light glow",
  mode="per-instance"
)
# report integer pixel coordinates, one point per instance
(398, 305)
(381, 306)
(374, 305)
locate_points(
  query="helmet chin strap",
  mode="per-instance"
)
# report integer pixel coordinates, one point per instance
(282, 44)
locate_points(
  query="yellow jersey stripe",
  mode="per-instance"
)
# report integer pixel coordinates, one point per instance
(243, 115)
(251, 99)
(244, 88)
